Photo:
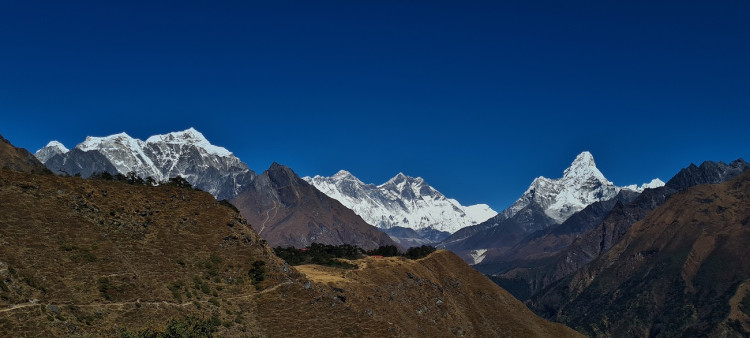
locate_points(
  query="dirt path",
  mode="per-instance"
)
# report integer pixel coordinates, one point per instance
(137, 301)
(268, 216)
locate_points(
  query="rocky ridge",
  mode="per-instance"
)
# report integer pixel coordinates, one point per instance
(186, 153)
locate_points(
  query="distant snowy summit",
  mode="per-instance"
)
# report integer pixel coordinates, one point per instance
(581, 185)
(403, 201)
(51, 149)
(185, 153)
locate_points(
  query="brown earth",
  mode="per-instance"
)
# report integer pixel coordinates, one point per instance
(675, 273)
(99, 258)
(18, 159)
(437, 296)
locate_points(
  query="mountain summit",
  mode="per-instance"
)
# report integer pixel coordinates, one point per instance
(402, 201)
(185, 153)
(581, 185)
(546, 203)
(51, 149)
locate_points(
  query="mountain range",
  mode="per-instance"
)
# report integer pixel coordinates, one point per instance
(651, 260)
(407, 208)
(410, 210)
(287, 211)
(403, 201)
(186, 153)
(95, 257)
(681, 270)
(547, 202)
(581, 185)
(545, 257)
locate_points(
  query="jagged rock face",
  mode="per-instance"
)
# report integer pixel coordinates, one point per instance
(707, 173)
(287, 211)
(403, 201)
(79, 162)
(679, 271)
(186, 153)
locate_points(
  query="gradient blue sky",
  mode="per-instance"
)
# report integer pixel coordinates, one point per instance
(476, 97)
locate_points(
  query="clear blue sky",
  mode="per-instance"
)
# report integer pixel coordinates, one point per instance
(476, 97)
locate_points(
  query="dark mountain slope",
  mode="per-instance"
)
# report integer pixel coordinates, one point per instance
(287, 211)
(672, 274)
(532, 276)
(79, 162)
(18, 159)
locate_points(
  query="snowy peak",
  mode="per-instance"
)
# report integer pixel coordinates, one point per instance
(57, 145)
(400, 177)
(112, 141)
(402, 201)
(581, 185)
(51, 149)
(396, 182)
(342, 175)
(189, 137)
(584, 167)
(125, 153)
(409, 188)
(184, 153)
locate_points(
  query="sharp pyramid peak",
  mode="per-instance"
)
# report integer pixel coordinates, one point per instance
(585, 158)
(583, 165)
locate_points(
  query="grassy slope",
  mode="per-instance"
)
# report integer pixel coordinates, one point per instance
(93, 258)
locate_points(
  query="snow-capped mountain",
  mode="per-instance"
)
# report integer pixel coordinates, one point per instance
(581, 185)
(51, 149)
(545, 204)
(186, 153)
(402, 201)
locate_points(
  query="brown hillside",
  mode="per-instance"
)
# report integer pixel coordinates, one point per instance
(677, 272)
(87, 256)
(287, 211)
(437, 296)
(102, 258)
(18, 159)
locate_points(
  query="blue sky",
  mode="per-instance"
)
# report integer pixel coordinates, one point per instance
(476, 97)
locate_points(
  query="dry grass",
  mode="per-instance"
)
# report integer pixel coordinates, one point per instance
(94, 258)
